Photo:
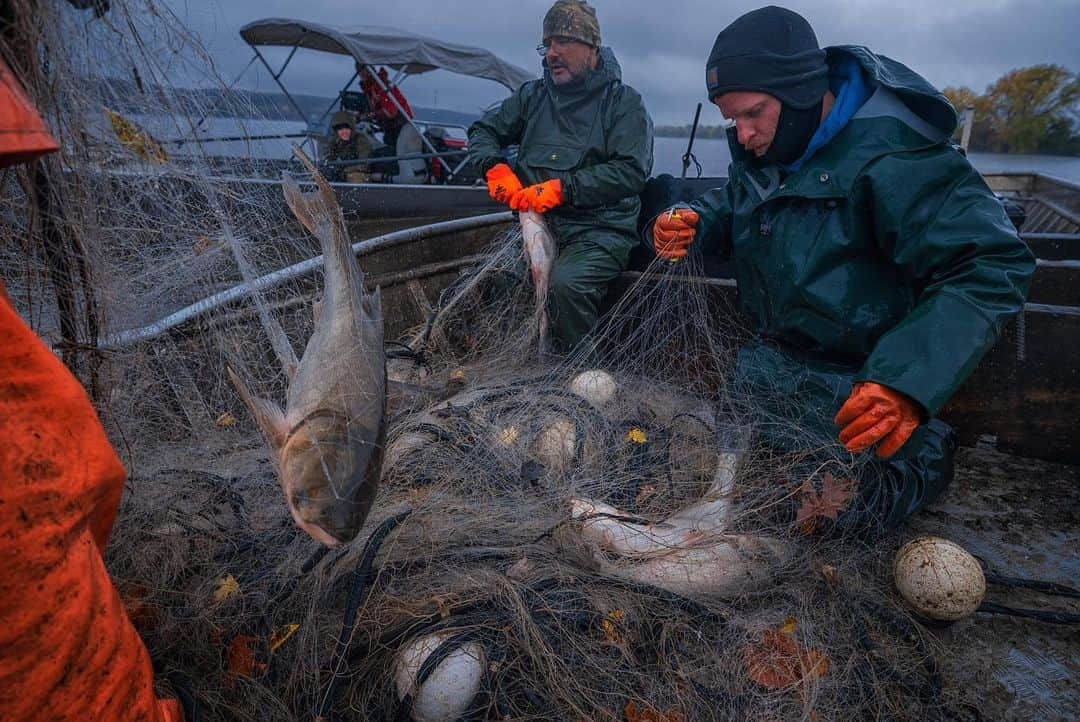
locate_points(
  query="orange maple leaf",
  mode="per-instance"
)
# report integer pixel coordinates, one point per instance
(779, 662)
(648, 714)
(834, 497)
(240, 657)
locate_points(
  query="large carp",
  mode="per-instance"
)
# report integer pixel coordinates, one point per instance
(540, 249)
(328, 443)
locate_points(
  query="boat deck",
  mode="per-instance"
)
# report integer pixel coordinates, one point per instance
(1022, 518)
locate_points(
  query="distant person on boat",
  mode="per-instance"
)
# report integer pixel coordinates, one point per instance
(390, 111)
(346, 143)
(873, 262)
(68, 650)
(586, 144)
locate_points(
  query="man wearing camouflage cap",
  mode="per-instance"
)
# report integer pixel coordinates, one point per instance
(585, 152)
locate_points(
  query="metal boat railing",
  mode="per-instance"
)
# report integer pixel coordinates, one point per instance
(270, 280)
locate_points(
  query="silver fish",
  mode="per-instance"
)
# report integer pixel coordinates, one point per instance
(690, 552)
(541, 251)
(329, 441)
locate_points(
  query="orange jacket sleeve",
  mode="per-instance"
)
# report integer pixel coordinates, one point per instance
(67, 648)
(382, 106)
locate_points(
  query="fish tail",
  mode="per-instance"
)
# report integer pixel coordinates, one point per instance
(310, 208)
(320, 213)
(542, 323)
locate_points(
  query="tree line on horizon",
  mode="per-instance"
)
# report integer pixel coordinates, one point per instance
(1027, 110)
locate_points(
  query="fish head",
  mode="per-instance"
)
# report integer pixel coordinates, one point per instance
(329, 472)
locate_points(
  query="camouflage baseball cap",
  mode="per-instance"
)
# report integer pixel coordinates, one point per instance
(574, 19)
(342, 117)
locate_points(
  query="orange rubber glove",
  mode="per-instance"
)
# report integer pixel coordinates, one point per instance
(875, 413)
(541, 197)
(673, 233)
(502, 183)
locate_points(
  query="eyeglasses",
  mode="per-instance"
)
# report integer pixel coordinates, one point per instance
(559, 41)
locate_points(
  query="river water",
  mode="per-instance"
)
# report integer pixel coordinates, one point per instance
(713, 154)
(714, 157)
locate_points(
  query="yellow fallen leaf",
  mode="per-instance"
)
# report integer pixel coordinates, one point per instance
(508, 435)
(610, 624)
(226, 587)
(282, 634)
(137, 139)
(789, 626)
(636, 436)
(225, 420)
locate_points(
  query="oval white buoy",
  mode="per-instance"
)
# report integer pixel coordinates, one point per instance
(555, 445)
(450, 688)
(939, 578)
(595, 386)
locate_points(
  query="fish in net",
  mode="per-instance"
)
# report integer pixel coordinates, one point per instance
(606, 535)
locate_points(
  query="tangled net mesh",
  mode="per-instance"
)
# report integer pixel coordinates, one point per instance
(478, 544)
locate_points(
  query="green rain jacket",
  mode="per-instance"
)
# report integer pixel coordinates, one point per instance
(884, 257)
(595, 137)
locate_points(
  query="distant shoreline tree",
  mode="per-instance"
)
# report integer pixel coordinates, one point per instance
(1027, 110)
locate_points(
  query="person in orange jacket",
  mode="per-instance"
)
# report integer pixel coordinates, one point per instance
(400, 136)
(67, 648)
(384, 111)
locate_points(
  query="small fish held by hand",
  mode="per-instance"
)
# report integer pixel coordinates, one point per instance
(540, 249)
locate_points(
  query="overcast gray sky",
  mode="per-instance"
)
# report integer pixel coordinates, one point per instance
(661, 44)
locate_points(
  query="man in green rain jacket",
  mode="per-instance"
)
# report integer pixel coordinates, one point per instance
(585, 152)
(872, 261)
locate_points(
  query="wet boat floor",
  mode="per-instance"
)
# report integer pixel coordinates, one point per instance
(1022, 518)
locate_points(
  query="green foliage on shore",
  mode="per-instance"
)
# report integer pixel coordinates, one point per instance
(1028, 110)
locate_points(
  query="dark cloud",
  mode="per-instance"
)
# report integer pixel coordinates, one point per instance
(661, 45)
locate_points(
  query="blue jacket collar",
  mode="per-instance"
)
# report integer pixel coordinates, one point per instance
(847, 83)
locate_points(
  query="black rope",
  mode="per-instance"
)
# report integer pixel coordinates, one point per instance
(1036, 614)
(356, 595)
(1053, 588)
(930, 686)
(305, 569)
(404, 350)
(1049, 588)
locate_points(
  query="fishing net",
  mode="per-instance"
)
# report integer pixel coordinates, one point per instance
(496, 577)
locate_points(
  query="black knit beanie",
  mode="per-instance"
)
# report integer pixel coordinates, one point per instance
(770, 50)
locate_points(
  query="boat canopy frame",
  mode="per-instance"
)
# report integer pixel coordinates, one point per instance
(370, 45)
